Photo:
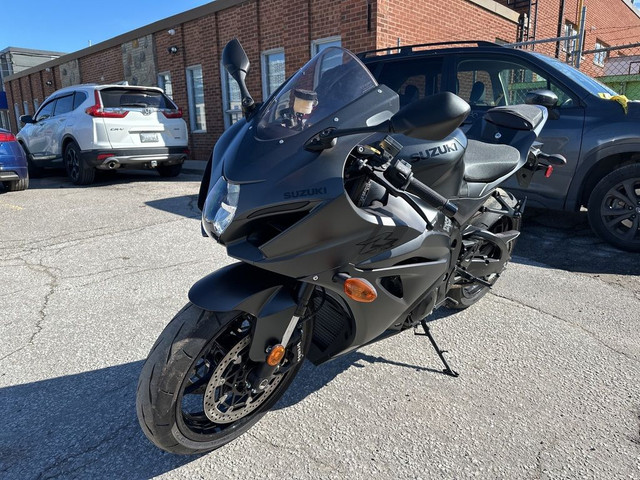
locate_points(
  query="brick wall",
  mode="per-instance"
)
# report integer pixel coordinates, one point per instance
(416, 21)
(293, 24)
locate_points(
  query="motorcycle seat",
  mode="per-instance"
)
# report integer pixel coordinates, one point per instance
(486, 162)
(517, 117)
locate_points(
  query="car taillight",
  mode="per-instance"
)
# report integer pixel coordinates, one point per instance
(172, 113)
(7, 137)
(97, 110)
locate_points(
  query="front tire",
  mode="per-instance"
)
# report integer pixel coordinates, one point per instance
(614, 208)
(196, 372)
(77, 170)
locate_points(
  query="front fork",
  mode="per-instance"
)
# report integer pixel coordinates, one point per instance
(258, 379)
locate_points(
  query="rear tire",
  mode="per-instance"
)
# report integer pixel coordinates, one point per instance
(199, 363)
(464, 295)
(614, 208)
(169, 170)
(77, 170)
(17, 185)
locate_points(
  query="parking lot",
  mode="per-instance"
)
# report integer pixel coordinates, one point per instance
(549, 361)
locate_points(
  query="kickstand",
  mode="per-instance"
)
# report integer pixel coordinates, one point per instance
(447, 369)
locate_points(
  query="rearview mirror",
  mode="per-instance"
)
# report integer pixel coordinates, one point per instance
(431, 118)
(543, 97)
(26, 119)
(236, 62)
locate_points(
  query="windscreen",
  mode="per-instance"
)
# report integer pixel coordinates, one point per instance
(331, 80)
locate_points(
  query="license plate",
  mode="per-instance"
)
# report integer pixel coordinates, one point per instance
(148, 137)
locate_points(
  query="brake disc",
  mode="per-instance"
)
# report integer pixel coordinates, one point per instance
(227, 397)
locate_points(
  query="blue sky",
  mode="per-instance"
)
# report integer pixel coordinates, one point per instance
(69, 25)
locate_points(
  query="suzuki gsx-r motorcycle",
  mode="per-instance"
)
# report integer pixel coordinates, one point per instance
(352, 220)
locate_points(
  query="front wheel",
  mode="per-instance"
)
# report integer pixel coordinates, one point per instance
(193, 395)
(614, 208)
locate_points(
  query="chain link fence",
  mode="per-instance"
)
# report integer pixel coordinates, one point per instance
(618, 67)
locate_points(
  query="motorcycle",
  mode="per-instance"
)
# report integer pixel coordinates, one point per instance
(352, 220)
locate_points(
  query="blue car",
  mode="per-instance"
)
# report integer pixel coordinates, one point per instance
(14, 174)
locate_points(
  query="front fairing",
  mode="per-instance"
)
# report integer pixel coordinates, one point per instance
(293, 215)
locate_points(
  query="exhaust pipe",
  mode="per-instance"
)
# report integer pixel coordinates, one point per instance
(112, 165)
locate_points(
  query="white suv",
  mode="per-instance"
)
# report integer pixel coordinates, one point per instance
(89, 127)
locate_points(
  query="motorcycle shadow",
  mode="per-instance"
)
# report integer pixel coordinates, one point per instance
(312, 378)
(79, 426)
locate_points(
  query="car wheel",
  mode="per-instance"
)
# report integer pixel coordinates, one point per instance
(17, 185)
(614, 208)
(77, 170)
(169, 170)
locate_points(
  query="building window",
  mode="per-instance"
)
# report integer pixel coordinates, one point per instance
(231, 100)
(331, 60)
(319, 45)
(272, 71)
(164, 82)
(600, 57)
(569, 45)
(36, 104)
(195, 94)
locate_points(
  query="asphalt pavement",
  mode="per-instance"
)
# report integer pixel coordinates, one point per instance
(549, 361)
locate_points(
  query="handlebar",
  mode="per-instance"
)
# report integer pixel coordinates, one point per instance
(400, 176)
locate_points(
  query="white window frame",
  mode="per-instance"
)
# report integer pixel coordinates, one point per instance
(25, 106)
(599, 57)
(191, 99)
(316, 44)
(227, 112)
(163, 84)
(569, 46)
(264, 63)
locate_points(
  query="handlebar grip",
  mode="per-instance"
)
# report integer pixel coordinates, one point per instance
(432, 197)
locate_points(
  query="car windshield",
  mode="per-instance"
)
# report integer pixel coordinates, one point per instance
(591, 84)
(328, 82)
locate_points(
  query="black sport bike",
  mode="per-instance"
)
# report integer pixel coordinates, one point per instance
(351, 221)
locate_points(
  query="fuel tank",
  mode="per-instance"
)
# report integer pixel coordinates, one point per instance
(438, 164)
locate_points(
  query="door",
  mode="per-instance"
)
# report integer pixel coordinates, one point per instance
(38, 135)
(486, 81)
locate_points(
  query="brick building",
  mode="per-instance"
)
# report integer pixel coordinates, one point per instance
(182, 53)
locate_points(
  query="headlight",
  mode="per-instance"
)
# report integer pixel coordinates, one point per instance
(220, 207)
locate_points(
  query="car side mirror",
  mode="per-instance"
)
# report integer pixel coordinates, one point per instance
(543, 97)
(236, 62)
(431, 118)
(27, 119)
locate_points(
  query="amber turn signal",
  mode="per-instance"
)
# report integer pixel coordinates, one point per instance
(360, 290)
(275, 356)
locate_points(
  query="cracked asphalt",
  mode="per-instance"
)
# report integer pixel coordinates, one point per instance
(549, 361)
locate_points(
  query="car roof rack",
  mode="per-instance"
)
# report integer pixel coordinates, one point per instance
(409, 49)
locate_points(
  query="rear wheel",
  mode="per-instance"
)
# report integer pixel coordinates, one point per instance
(466, 292)
(614, 208)
(17, 185)
(77, 170)
(169, 170)
(193, 394)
